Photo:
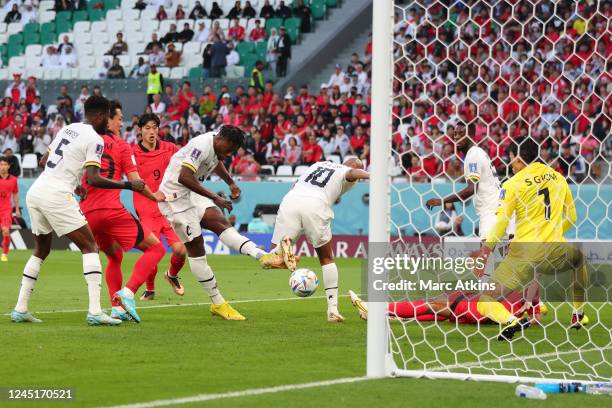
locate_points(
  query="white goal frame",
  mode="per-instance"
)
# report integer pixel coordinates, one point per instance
(380, 362)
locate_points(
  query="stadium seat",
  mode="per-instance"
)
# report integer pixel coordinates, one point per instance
(284, 170)
(148, 14)
(86, 73)
(331, 3)
(318, 9)
(69, 73)
(29, 163)
(224, 23)
(98, 26)
(17, 62)
(3, 74)
(46, 16)
(165, 71)
(80, 15)
(245, 48)
(3, 26)
(34, 71)
(31, 28)
(82, 27)
(14, 28)
(96, 15)
(87, 61)
(127, 5)
(52, 73)
(261, 49)
(164, 27)
(299, 170)
(293, 29)
(196, 72)
(177, 73)
(31, 38)
(125, 61)
(62, 26)
(269, 168)
(129, 15)
(47, 38)
(114, 28)
(111, 4)
(14, 50)
(33, 50)
(192, 47)
(273, 23)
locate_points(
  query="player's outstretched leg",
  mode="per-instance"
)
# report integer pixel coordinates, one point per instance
(177, 260)
(360, 305)
(330, 281)
(42, 246)
(114, 279)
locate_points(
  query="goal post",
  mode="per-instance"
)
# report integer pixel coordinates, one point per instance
(380, 153)
(501, 71)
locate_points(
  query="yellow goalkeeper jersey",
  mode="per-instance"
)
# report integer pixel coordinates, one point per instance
(542, 202)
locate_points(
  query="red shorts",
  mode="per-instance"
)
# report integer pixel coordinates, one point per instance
(160, 226)
(466, 309)
(6, 219)
(116, 225)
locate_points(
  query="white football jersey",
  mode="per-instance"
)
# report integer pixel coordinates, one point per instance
(324, 180)
(197, 155)
(478, 168)
(75, 146)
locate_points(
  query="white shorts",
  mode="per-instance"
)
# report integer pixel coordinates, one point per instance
(53, 211)
(201, 203)
(298, 214)
(184, 218)
(487, 222)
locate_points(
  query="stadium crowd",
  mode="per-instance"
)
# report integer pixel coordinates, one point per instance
(508, 74)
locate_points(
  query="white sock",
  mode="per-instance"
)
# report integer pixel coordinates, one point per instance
(204, 274)
(92, 270)
(30, 275)
(240, 244)
(330, 283)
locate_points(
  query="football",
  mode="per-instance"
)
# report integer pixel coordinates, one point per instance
(303, 282)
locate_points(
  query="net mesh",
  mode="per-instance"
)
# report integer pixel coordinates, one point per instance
(508, 69)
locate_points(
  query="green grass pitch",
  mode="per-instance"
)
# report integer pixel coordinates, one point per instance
(180, 350)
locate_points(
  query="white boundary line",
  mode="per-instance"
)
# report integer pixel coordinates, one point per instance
(295, 298)
(243, 393)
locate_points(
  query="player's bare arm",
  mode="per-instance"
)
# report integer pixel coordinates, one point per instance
(188, 179)
(16, 204)
(222, 172)
(356, 175)
(93, 177)
(462, 196)
(43, 160)
(157, 196)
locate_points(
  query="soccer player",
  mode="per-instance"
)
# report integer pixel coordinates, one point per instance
(542, 202)
(115, 229)
(192, 164)
(307, 208)
(152, 157)
(8, 189)
(52, 206)
(453, 306)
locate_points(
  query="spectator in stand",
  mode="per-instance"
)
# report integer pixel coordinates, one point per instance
(275, 153)
(10, 141)
(283, 49)
(79, 106)
(236, 32)
(216, 31)
(283, 11)
(343, 142)
(65, 43)
(293, 152)
(68, 59)
(194, 121)
(246, 166)
(233, 59)
(157, 106)
(16, 90)
(29, 15)
(202, 34)
(235, 11)
(337, 78)
(116, 70)
(41, 142)
(31, 92)
(161, 14)
(187, 34)
(258, 33)
(155, 82)
(271, 49)
(26, 141)
(102, 71)
(215, 11)
(171, 36)
(119, 47)
(218, 62)
(303, 12)
(248, 11)
(256, 145)
(15, 169)
(358, 141)
(311, 152)
(13, 16)
(257, 225)
(173, 57)
(180, 13)
(140, 69)
(168, 94)
(157, 56)
(154, 41)
(198, 12)
(267, 11)
(50, 59)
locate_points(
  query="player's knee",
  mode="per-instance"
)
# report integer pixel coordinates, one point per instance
(179, 251)
(114, 256)
(6, 232)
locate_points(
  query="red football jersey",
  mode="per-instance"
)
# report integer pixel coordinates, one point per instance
(8, 186)
(117, 161)
(151, 167)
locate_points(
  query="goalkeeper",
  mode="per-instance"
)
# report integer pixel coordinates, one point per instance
(542, 202)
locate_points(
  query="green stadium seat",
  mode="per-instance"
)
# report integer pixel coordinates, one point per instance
(96, 15)
(15, 39)
(80, 15)
(112, 4)
(63, 16)
(318, 9)
(245, 48)
(261, 49)
(31, 38)
(273, 23)
(47, 27)
(31, 28)
(47, 37)
(248, 62)
(63, 26)
(14, 50)
(293, 28)
(331, 3)
(295, 3)
(3, 50)
(196, 72)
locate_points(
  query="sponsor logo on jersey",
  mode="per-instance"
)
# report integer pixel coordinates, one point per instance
(195, 153)
(99, 149)
(502, 194)
(473, 167)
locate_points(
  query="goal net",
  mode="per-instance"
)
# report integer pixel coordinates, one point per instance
(506, 69)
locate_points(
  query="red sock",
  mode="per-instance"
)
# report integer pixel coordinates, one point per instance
(145, 265)
(176, 263)
(151, 280)
(6, 242)
(113, 274)
(409, 310)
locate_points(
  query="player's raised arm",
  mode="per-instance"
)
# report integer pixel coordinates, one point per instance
(188, 179)
(462, 196)
(569, 210)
